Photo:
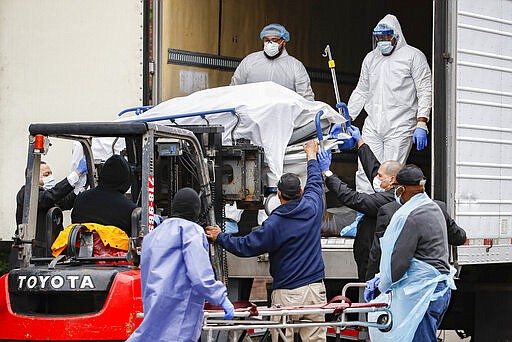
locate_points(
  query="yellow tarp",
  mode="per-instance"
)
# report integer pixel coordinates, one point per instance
(110, 235)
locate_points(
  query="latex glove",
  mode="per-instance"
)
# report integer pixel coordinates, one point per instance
(157, 219)
(371, 285)
(351, 230)
(324, 159)
(229, 309)
(230, 227)
(82, 166)
(355, 132)
(79, 186)
(335, 130)
(420, 138)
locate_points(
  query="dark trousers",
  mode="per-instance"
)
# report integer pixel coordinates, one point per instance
(427, 329)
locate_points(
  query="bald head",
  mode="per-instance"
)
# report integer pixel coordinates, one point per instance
(391, 167)
(387, 173)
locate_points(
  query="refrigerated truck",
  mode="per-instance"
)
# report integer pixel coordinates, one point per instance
(63, 61)
(198, 44)
(470, 165)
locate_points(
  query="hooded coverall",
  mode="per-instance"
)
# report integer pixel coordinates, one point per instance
(394, 90)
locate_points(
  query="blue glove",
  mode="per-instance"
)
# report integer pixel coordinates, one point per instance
(335, 130)
(371, 285)
(230, 227)
(157, 219)
(324, 159)
(420, 138)
(229, 309)
(355, 132)
(82, 166)
(351, 229)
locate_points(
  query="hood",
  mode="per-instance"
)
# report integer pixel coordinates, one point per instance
(298, 209)
(392, 21)
(115, 175)
(186, 204)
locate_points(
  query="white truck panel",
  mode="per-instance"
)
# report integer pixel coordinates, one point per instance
(62, 60)
(483, 194)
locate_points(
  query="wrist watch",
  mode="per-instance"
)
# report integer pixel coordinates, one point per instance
(327, 173)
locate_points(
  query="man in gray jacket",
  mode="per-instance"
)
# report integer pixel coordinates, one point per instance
(414, 264)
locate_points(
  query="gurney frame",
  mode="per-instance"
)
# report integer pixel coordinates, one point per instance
(213, 318)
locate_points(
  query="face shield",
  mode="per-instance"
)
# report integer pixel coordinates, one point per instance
(385, 38)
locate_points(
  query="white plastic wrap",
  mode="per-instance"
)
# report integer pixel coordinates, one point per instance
(268, 115)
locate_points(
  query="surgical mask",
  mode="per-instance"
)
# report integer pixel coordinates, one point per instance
(398, 199)
(385, 47)
(271, 48)
(377, 185)
(48, 182)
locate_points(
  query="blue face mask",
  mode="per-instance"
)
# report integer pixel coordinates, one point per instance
(397, 198)
(385, 47)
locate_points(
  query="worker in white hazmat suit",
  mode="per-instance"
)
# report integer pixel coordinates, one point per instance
(395, 90)
(274, 64)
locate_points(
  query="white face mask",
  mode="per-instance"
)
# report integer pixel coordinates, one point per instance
(385, 47)
(376, 185)
(48, 182)
(271, 48)
(398, 199)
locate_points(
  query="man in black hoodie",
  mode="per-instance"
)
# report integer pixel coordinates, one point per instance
(107, 204)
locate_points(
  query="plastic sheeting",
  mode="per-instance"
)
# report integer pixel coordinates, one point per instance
(268, 115)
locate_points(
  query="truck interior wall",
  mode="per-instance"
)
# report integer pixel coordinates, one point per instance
(438, 122)
(231, 28)
(191, 25)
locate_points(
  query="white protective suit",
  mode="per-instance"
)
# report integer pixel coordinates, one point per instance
(394, 90)
(284, 70)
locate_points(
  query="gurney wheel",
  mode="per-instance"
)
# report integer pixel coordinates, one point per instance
(383, 319)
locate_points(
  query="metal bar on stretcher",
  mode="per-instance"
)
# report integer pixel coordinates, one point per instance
(188, 115)
(339, 309)
(137, 110)
(244, 324)
(210, 325)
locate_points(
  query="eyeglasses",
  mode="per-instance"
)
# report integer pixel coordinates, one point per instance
(273, 40)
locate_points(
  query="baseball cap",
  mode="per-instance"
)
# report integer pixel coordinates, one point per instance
(410, 175)
(289, 184)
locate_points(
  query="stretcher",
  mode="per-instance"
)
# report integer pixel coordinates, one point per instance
(248, 316)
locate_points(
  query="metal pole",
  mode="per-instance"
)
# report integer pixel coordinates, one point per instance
(331, 64)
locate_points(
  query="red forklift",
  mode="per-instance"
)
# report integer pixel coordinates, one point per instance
(80, 296)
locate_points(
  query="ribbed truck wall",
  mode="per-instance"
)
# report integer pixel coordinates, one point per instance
(483, 143)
